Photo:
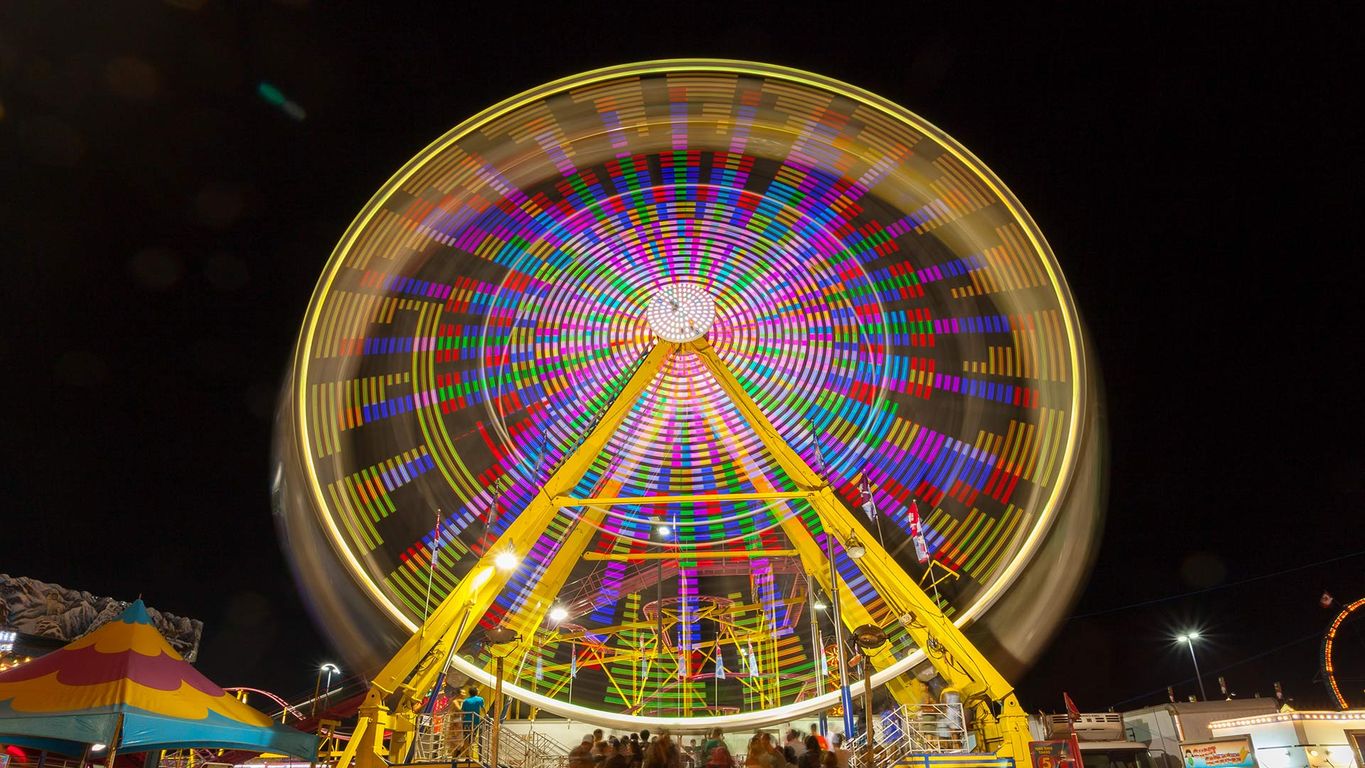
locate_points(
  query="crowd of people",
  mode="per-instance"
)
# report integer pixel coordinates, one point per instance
(643, 750)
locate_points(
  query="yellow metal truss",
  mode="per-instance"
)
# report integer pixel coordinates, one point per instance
(397, 692)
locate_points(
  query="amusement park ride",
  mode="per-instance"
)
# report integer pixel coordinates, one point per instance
(715, 328)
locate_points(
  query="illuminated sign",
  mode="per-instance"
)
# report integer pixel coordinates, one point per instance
(7, 638)
(1051, 754)
(1228, 753)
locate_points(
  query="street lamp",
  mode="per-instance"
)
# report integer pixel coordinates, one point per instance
(663, 532)
(317, 684)
(837, 618)
(869, 638)
(330, 669)
(1188, 639)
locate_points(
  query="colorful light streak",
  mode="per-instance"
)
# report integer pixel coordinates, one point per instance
(875, 289)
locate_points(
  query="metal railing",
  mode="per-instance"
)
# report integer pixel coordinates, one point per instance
(444, 738)
(907, 730)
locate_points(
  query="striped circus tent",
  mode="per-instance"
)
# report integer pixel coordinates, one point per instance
(123, 686)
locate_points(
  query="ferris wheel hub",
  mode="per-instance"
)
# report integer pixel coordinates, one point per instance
(681, 312)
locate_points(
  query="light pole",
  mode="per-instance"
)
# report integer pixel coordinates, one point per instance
(494, 637)
(845, 697)
(1188, 639)
(329, 668)
(663, 531)
(869, 638)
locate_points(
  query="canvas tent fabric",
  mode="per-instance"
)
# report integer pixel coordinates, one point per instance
(126, 671)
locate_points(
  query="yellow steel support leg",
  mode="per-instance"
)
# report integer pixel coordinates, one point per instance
(813, 557)
(397, 691)
(964, 667)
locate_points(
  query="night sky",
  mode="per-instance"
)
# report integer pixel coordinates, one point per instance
(1197, 173)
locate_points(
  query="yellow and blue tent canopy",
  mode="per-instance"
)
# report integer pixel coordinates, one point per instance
(125, 671)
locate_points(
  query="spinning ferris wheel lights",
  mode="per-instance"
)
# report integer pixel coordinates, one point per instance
(616, 303)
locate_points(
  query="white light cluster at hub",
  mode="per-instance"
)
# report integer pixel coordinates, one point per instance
(681, 312)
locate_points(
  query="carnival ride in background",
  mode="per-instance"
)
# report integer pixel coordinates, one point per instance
(679, 372)
(1348, 619)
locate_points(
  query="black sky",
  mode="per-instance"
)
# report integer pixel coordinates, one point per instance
(1196, 171)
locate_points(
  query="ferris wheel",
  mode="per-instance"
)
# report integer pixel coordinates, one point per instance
(698, 352)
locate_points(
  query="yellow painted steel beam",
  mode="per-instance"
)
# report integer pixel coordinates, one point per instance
(397, 691)
(956, 659)
(726, 617)
(691, 555)
(813, 556)
(697, 498)
(529, 616)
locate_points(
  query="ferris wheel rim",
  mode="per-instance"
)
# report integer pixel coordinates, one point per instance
(662, 66)
(1075, 348)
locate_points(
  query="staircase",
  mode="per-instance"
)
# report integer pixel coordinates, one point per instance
(914, 735)
(442, 739)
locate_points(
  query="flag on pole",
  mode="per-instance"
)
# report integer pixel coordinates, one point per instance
(573, 664)
(869, 503)
(753, 662)
(1072, 713)
(436, 540)
(720, 665)
(822, 661)
(682, 665)
(917, 534)
(540, 668)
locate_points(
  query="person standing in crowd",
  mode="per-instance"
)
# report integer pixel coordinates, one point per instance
(471, 718)
(753, 754)
(637, 751)
(812, 756)
(775, 756)
(708, 744)
(616, 754)
(797, 746)
(581, 755)
(719, 756)
(662, 753)
(762, 753)
(599, 748)
(815, 731)
(840, 754)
